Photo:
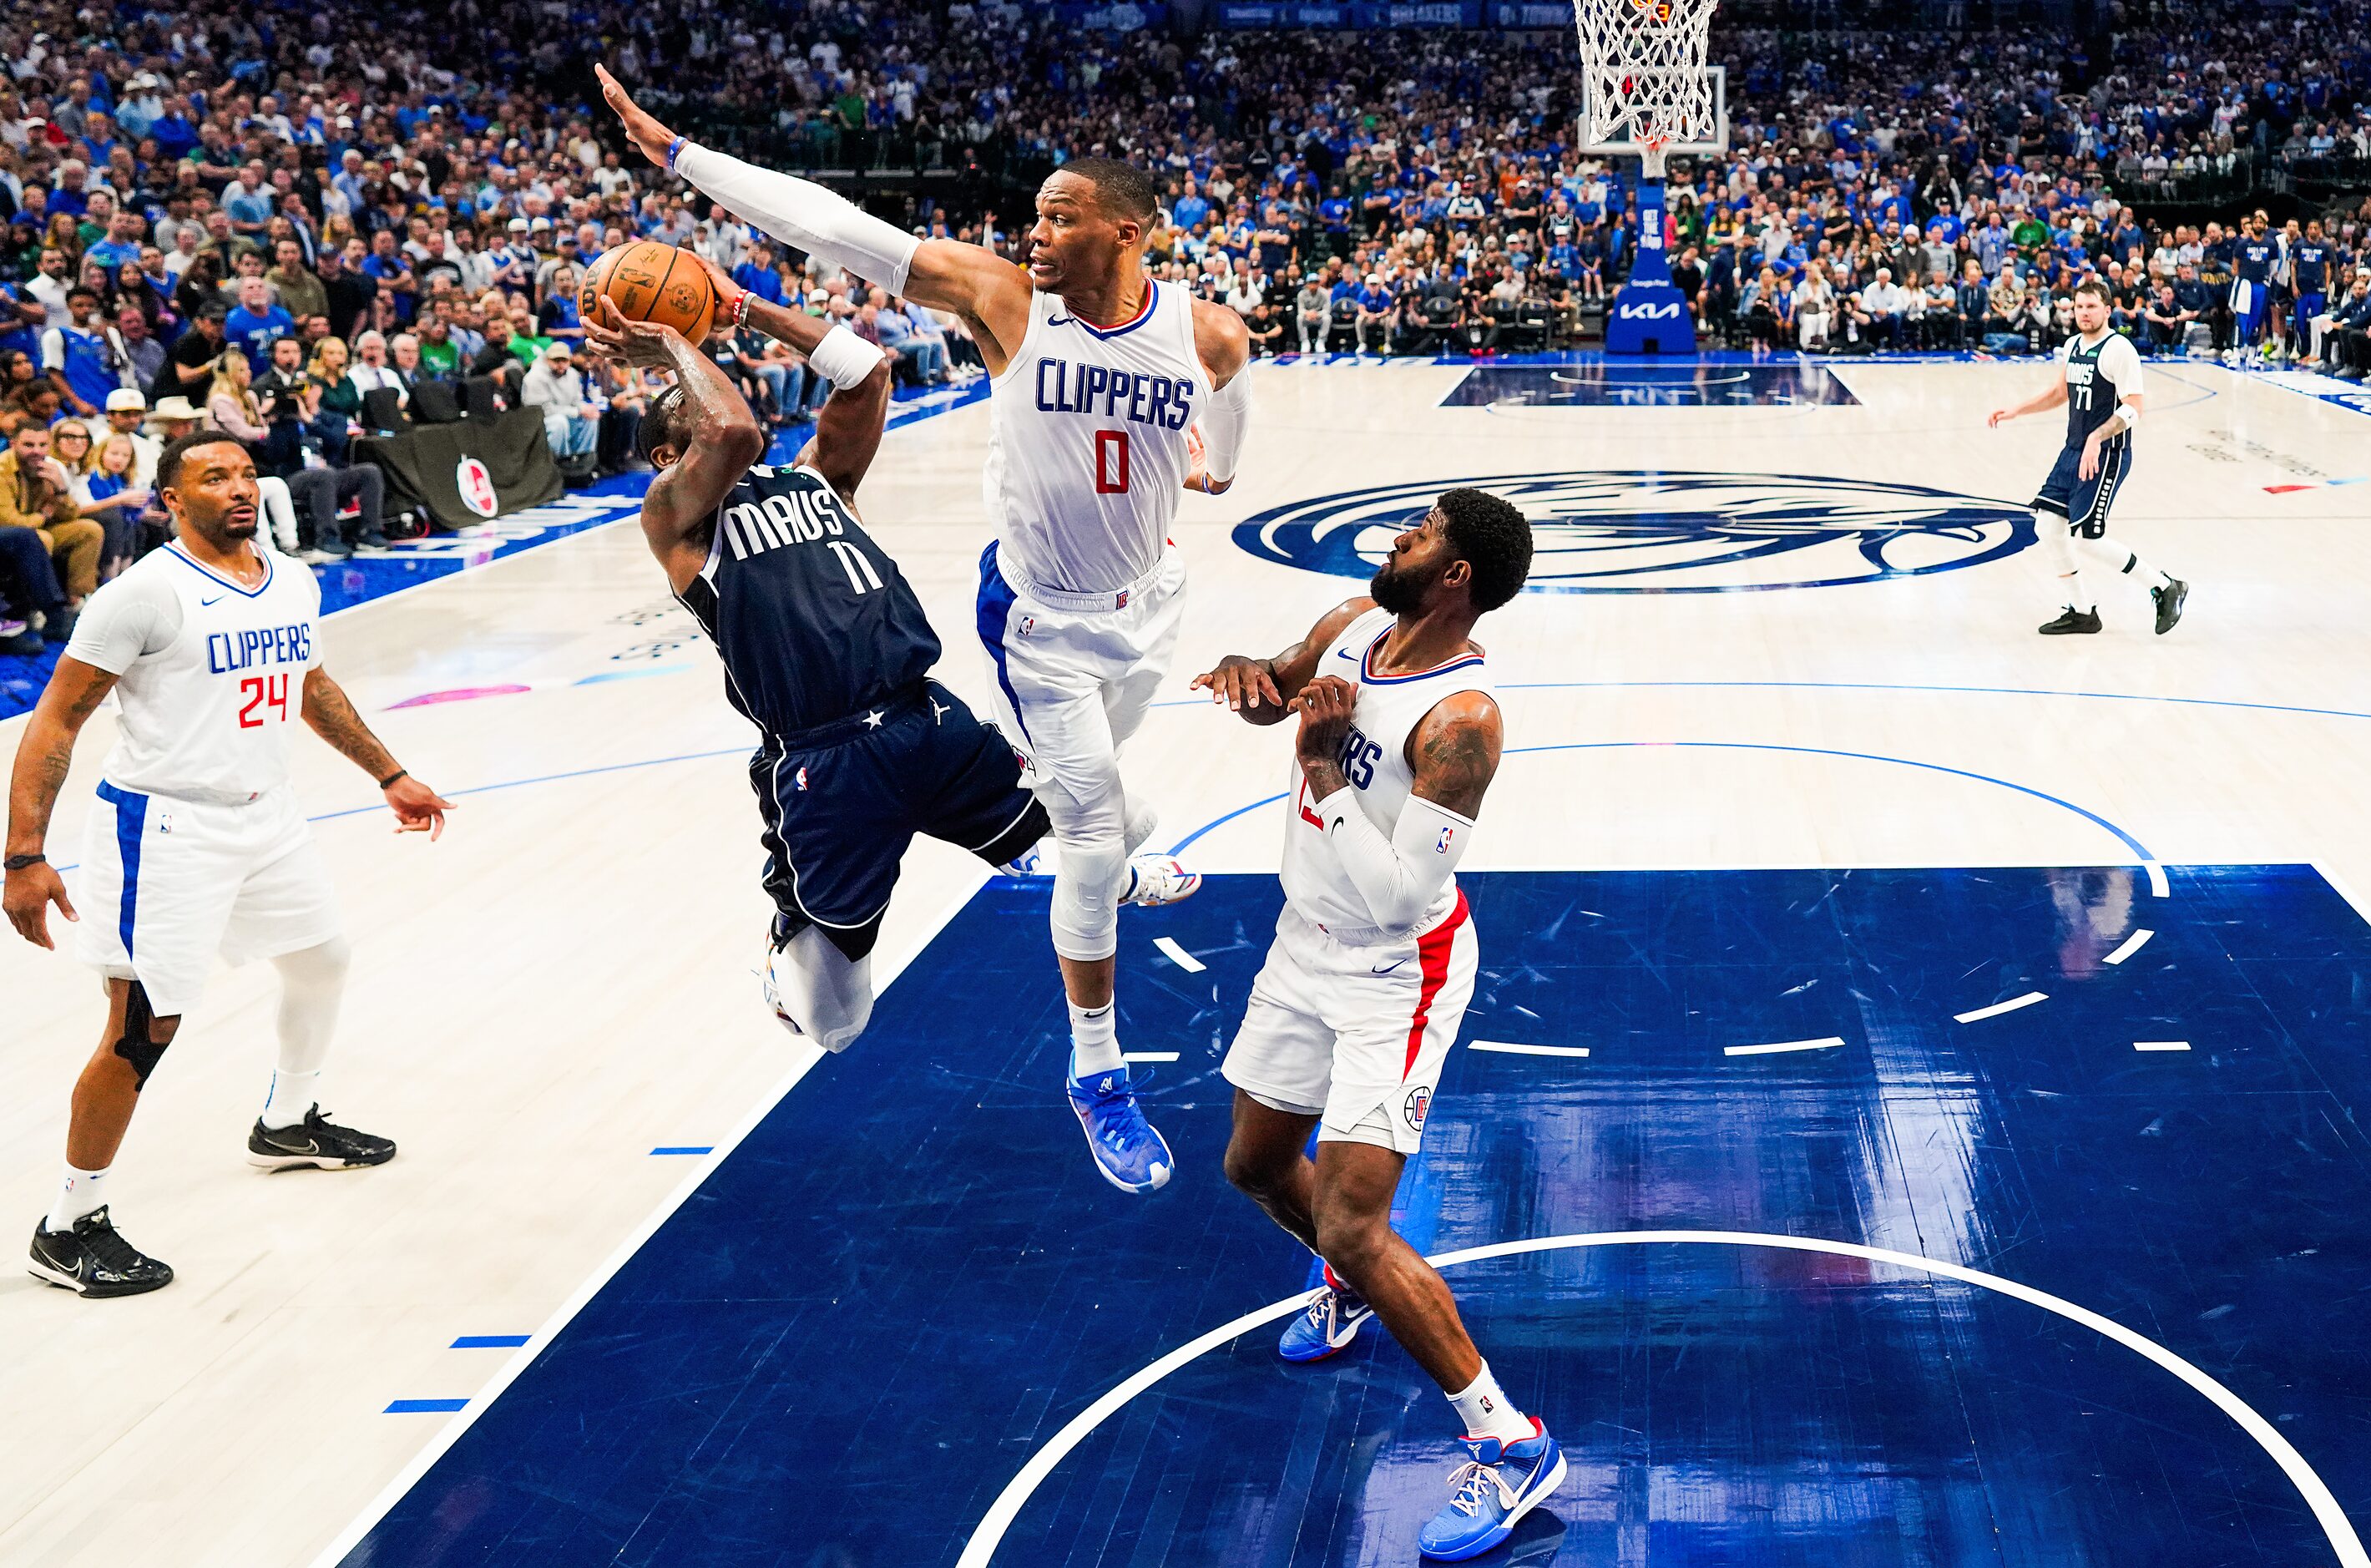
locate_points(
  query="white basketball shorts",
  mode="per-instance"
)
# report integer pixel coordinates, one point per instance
(1356, 1033)
(1073, 675)
(166, 884)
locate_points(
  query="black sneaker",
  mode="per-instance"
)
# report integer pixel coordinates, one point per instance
(318, 1142)
(2071, 621)
(2170, 600)
(92, 1260)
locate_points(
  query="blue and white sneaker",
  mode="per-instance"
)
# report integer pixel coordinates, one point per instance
(1156, 879)
(1501, 1484)
(1327, 1326)
(1131, 1155)
(1030, 862)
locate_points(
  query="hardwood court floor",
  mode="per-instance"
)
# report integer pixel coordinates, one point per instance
(564, 984)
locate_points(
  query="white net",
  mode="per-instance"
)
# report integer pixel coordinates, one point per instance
(1645, 84)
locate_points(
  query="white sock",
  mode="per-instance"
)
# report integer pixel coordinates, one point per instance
(292, 1095)
(1487, 1413)
(81, 1192)
(1095, 1040)
(2116, 558)
(312, 980)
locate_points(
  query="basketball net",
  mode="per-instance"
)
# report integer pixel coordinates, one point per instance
(1644, 79)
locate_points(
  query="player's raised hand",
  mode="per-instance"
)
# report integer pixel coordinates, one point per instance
(642, 125)
(615, 336)
(418, 808)
(29, 894)
(1240, 683)
(1324, 708)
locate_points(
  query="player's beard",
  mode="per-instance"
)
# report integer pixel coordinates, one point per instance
(1400, 592)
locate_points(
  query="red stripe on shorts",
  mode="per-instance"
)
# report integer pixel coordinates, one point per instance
(1432, 957)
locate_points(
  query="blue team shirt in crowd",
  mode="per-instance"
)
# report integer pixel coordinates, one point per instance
(256, 333)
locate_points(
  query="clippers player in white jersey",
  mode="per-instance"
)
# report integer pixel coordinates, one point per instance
(2099, 383)
(1104, 382)
(212, 645)
(1354, 1013)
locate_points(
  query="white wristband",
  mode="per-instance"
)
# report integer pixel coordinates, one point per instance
(844, 359)
(2130, 413)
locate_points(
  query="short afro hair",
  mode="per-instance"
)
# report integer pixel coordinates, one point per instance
(1493, 538)
(657, 428)
(1122, 190)
(169, 461)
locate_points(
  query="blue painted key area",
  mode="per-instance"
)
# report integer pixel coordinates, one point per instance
(908, 1278)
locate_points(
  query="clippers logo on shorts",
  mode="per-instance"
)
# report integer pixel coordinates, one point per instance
(477, 487)
(1661, 532)
(229, 652)
(1419, 1102)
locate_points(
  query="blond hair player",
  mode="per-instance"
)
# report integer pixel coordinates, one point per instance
(1102, 378)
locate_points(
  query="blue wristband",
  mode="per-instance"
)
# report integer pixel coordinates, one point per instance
(674, 149)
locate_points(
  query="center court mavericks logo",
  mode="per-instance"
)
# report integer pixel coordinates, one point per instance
(477, 487)
(1646, 531)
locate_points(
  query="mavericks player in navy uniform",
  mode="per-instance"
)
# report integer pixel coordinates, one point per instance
(2099, 383)
(2255, 259)
(825, 650)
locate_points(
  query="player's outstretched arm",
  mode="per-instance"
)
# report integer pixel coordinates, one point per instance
(2054, 398)
(1254, 687)
(988, 291)
(1455, 753)
(724, 439)
(43, 757)
(1223, 343)
(418, 808)
(847, 432)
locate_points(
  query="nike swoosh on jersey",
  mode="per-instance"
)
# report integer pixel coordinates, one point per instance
(1387, 968)
(204, 602)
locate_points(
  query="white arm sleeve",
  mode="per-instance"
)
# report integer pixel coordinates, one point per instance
(135, 615)
(1224, 420)
(1399, 878)
(801, 212)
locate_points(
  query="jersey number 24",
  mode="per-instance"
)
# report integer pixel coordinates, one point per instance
(262, 692)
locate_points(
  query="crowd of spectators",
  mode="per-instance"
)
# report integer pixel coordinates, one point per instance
(298, 225)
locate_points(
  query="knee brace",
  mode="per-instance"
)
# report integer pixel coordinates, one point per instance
(825, 994)
(138, 1046)
(1087, 878)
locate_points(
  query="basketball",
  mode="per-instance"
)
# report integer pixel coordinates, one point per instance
(650, 282)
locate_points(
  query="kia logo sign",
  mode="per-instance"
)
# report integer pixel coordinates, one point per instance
(1670, 312)
(477, 487)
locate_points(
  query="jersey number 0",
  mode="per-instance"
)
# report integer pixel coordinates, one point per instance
(1111, 462)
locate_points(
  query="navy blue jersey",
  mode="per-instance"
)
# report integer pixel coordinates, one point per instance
(813, 621)
(2309, 265)
(2255, 259)
(2099, 376)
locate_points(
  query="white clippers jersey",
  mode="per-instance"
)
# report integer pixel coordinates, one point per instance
(211, 675)
(1374, 759)
(1086, 441)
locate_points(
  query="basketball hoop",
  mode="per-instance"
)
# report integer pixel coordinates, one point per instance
(1644, 87)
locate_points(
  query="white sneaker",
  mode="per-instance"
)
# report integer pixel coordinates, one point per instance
(1030, 862)
(1156, 879)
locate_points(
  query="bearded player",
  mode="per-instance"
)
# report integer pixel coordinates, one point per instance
(211, 647)
(1353, 1015)
(1104, 381)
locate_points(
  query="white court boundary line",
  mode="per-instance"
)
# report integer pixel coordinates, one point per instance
(482, 1400)
(1000, 1514)
(1828, 1042)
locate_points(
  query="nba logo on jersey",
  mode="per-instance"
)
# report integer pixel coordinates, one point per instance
(803, 778)
(1446, 835)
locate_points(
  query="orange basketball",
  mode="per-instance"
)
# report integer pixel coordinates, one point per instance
(650, 282)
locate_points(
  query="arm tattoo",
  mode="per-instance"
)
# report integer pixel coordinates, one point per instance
(1455, 764)
(1325, 776)
(43, 759)
(334, 718)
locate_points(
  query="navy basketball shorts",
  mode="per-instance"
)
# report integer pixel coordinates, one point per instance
(2084, 503)
(841, 802)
